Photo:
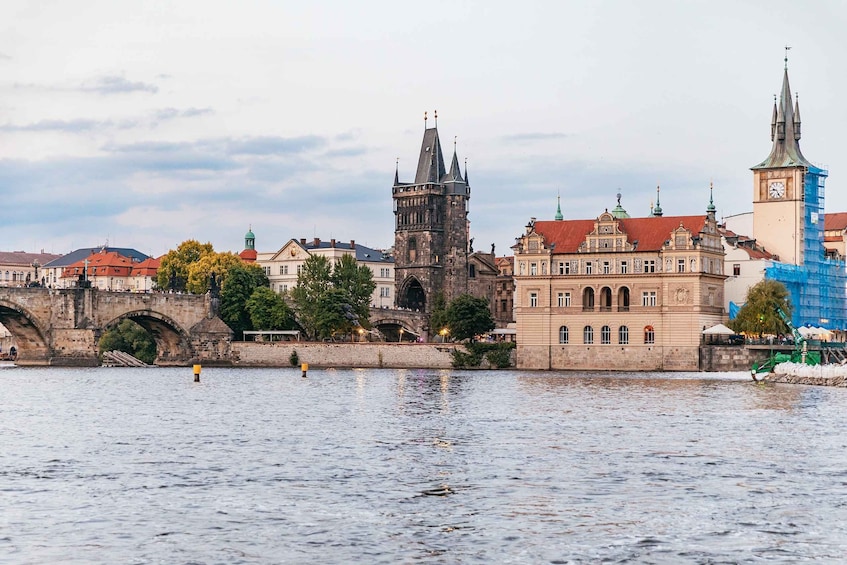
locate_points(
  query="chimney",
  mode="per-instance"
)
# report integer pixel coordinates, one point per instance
(303, 241)
(352, 244)
(317, 242)
(332, 242)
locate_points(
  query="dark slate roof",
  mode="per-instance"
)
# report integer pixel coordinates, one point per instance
(431, 162)
(80, 254)
(786, 151)
(362, 253)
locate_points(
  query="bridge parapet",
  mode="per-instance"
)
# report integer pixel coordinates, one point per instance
(63, 326)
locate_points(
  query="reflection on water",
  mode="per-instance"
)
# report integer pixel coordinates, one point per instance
(384, 466)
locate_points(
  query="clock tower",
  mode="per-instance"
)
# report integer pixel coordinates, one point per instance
(788, 189)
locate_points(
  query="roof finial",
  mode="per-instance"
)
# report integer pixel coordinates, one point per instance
(559, 215)
(466, 170)
(657, 211)
(424, 119)
(455, 137)
(711, 206)
(436, 118)
(787, 49)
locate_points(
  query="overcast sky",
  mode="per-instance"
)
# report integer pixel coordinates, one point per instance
(143, 124)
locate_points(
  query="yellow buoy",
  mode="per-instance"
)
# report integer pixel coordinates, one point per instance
(197, 369)
(305, 368)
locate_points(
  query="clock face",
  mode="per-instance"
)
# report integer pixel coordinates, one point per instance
(776, 189)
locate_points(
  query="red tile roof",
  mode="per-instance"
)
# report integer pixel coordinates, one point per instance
(147, 268)
(651, 233)
(835, 221)
(248, 255)
(101, 264)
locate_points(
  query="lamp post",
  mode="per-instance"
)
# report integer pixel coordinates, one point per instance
(401, 336)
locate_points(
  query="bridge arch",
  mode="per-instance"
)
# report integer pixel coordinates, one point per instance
(173, 342)
(29, 336)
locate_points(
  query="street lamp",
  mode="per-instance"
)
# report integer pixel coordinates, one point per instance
(361, 334)
(443, 333)
(401, 335)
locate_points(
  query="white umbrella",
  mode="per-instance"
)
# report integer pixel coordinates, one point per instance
(720, 329)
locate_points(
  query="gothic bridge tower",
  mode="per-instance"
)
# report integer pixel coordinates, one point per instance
(431, 244)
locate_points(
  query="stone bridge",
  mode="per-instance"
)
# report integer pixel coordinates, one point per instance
(63, 326)
(389, 321)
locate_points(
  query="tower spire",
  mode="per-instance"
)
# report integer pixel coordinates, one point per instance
(657, 210)
(397, 172)
(711, 207)
(559, 215)
(785, 128)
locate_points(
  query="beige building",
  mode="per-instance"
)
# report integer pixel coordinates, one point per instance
(616, 292)
(283, 266)
(19, 268)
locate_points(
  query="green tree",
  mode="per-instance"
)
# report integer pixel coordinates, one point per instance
(759, 314)
(269, 311)
(313, 283)
(130, 338)
(200, 271)
(174, 267)
(241, 282)
(468, 316)
(357, 282)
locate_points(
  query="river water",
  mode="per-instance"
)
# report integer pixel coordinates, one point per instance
(417, 466)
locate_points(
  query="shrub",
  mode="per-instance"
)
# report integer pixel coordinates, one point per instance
(294, 359)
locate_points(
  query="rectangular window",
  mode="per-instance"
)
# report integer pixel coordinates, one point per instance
(624, 268)
(533, 299)
(606, 268)
(562, 268)
(736, 269)
(533, 269)
(567, 299)
(588, 267)
(648, 298)
(299, 268)
(680, 265)
(649, 265)
(560, 300)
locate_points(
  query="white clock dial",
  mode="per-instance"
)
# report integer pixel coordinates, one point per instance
(776, 189)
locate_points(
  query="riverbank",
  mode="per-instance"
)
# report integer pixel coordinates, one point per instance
(801, 374)
(343, 355)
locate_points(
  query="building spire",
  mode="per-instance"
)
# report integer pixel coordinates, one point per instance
(466, 171)
(559, 215)
(785, 129)
(397, 172)
(657, 211)
(424, 119)
(711, 207)
(435, 113)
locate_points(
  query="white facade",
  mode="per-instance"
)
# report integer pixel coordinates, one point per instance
(282, 266)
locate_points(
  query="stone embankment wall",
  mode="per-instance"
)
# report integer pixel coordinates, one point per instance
(715, 358)
(369, 355)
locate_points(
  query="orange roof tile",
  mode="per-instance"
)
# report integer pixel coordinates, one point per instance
(651, 233)
(147, 268)
(835, 221)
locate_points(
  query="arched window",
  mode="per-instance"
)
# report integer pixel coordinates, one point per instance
(623, 335)
(605, 335)
(588, 335)
(413, 250)
(605, 299)
(588, 298)
(623, 299)
(563, 334)
(649, 335)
